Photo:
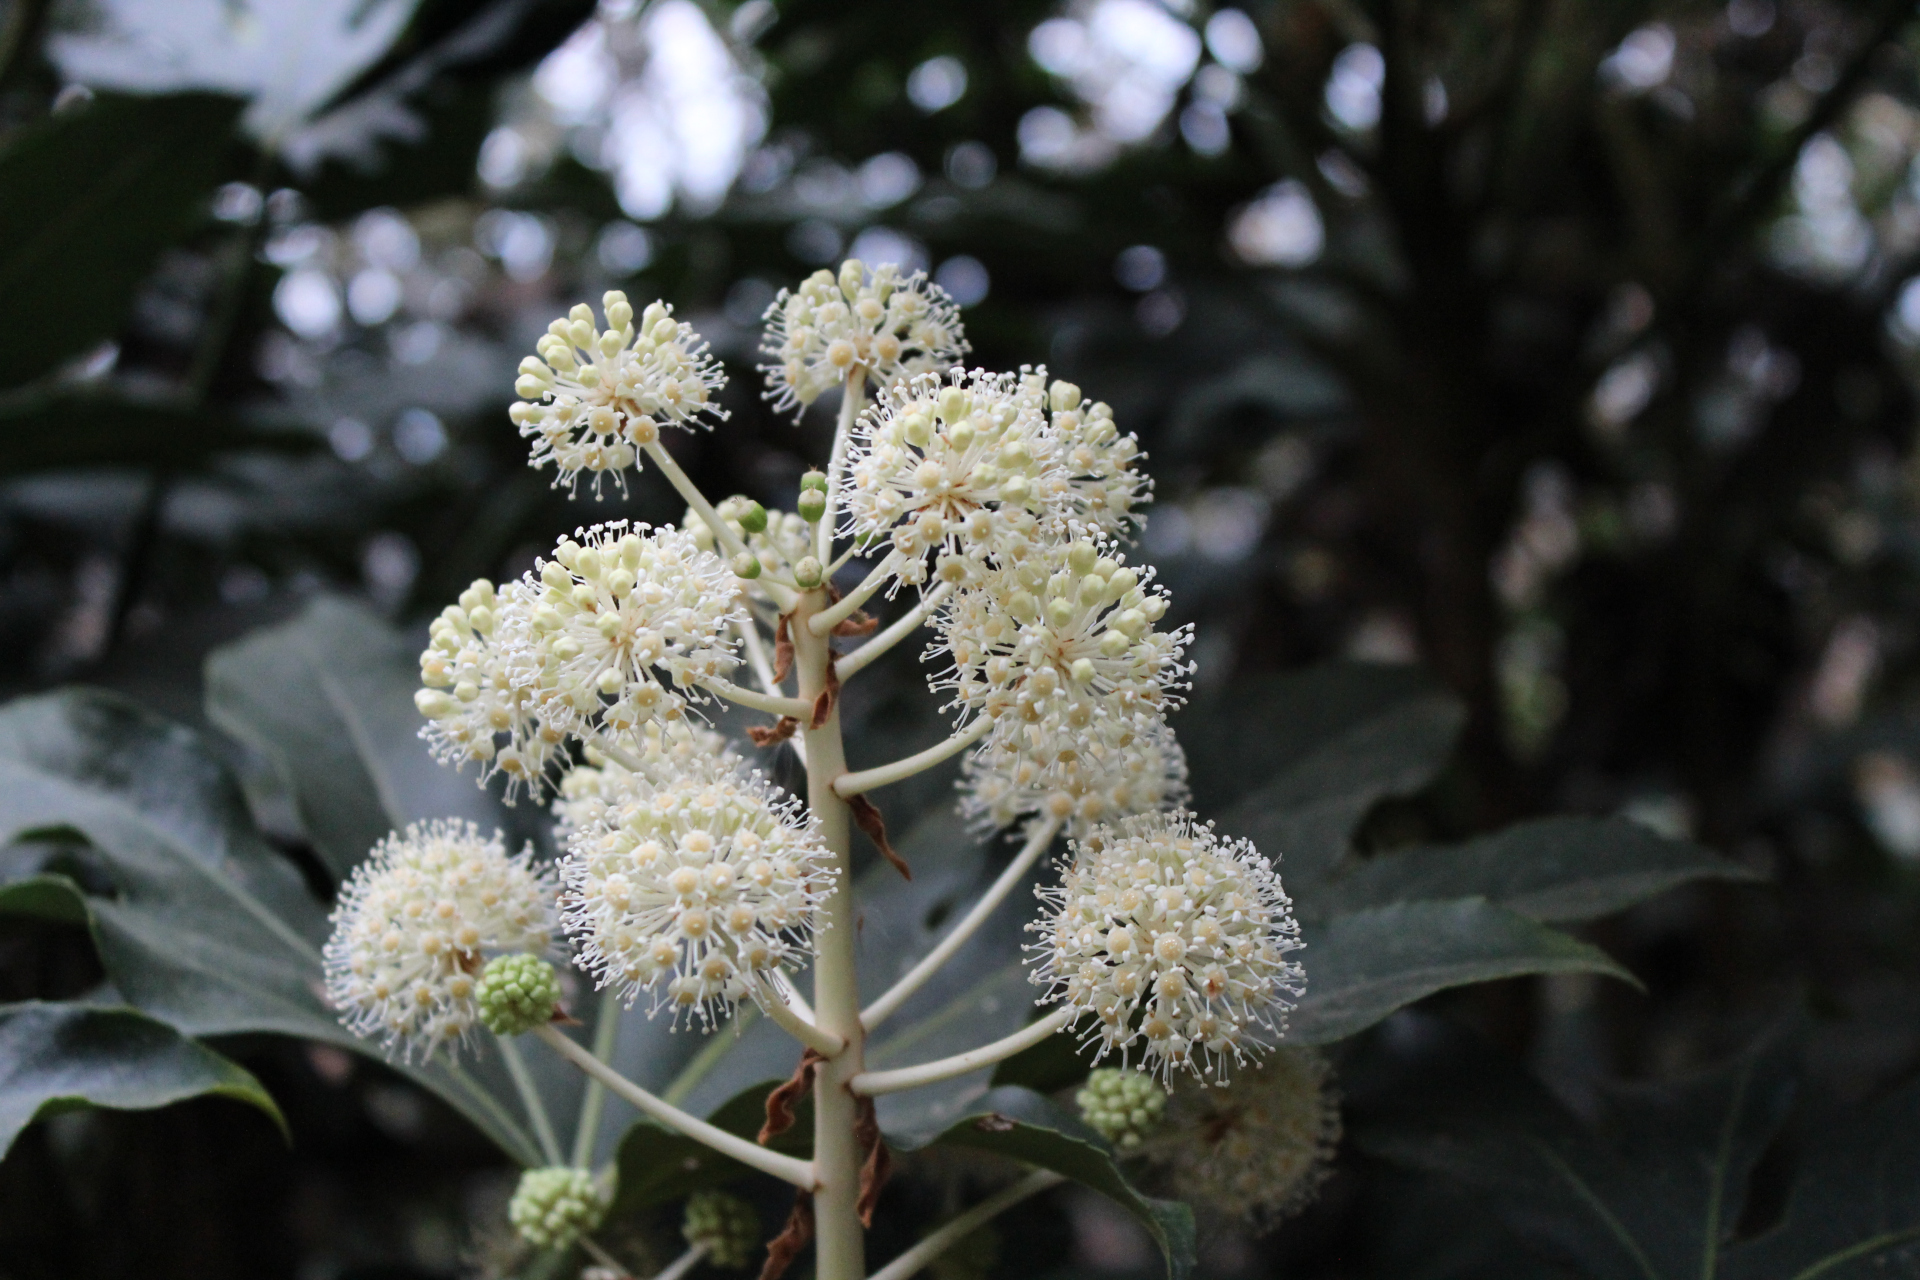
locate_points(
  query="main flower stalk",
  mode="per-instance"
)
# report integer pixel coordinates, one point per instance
(839, 1241)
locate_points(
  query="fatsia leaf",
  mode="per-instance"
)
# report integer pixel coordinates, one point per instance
(88, 200)
(63, 1057)
(1028, 1127)
(1656, 1199)
(203, 925)
(1855, 1205)
(1304, 757)
(327, 698)
(1552, 869)
(1363, 966)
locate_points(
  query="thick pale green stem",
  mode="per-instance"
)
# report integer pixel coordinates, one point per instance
(851, 664)
(872, 1083)
(681, 1265)
(786, 1168)
(853, 398)
(606, 1035)
(839, 1243)
(530, 1098)
(771, 703)
(1037, 841)
(939, 1241)
(853, 784)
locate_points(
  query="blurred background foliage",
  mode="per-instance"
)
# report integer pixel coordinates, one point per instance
(1567, 348)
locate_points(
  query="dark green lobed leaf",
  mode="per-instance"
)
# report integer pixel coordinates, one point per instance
(1362, 967)
(1552, 869)
(63, 1057)
(1026, 1126)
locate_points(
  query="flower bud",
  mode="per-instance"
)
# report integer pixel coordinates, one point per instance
(727, 1226)
(553, 1207)
(812, 505)
(814, 480)
(807, 571)
(432, 703)
(746, 565)
(516, 994)
(754, 519)
(1122, 1106)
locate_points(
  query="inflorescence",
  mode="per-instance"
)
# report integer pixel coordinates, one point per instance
(592, 397)
(1005, 499)
(697, 887)
(879, 326)
(415, 923)
(1173, 941)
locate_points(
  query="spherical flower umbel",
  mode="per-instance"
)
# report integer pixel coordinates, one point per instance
(481, 700)
(1059, 650)
(985, 463)
(553, 1207)
(617, 608)
(1259, 1148)
(882, 326)
(697, 888)
(593, 396)
(664, 749)
(415, 923)
(959, 464)
(1122, 1106)
(1097, 487)
(725, 1225)
(516, 994)
(999, 784)
(1173, 941)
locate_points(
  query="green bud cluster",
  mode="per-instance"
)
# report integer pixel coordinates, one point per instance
(516, 994)
(1122, 1106)
(553, 1207)
(727, 1225)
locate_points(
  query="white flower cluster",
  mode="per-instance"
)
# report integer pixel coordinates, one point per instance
(986, 464)
(479, 703)
(663, 748)
(1058, 649)
(883, 325)
(695, 886)
(578, 646)
(593, 396)
(1256, 1149)
(1000, 784)
(1173, 940)
(415, 923)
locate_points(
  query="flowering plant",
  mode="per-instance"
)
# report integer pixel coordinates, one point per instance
(993, 510)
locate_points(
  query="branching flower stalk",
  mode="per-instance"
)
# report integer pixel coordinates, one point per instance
(1001, 501)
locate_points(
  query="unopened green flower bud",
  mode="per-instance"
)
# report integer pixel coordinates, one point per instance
(812, 505)
(746, 565)
(814, 480)
(553, 1207)
(727, 1225)
(753, 518)
(807, 572)
(1122, 1106)
(516, 994)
